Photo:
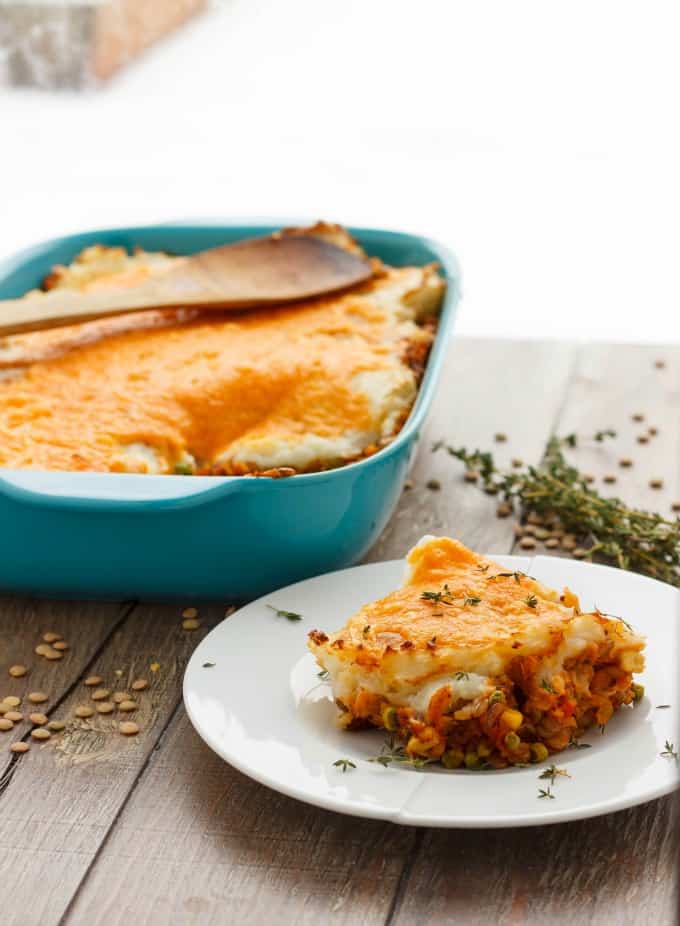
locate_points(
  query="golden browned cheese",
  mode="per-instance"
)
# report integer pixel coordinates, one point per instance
(308, 386)
(458, 611)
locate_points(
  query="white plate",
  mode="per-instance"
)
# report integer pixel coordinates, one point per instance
(263, 708)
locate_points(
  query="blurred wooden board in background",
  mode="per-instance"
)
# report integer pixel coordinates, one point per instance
(63, 43)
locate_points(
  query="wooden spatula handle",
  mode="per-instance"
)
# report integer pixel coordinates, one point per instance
(259, 272)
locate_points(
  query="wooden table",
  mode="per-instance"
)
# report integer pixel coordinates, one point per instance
(99, 829)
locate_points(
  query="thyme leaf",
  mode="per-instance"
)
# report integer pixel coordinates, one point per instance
(669, 751)
(545, 792)
(289, 615)
(344, 764)
(552, 772)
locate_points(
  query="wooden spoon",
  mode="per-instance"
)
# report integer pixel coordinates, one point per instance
(257, 272)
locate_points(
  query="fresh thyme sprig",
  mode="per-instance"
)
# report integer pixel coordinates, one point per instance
(552, 772)
(445, 596)
(609, 530)
(575, 744)
(289, 615)
(393, 752)
(344, 764)
(545, 792)
(669, 751)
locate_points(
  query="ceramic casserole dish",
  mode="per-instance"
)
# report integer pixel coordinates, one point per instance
(110, 535)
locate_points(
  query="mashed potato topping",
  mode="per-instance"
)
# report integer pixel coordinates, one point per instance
(297, 388)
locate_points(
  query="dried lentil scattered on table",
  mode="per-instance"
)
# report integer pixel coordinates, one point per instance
(11, 701)
(434, 485)
(139, 684)
(14, 716)
(101, 694)
(38, 719)
(190, 612)
(527, 543)
(656, 483)
(17, 671)
(93, 680)
(61, 646)
(83, 711)
(128, 728)
(51, 637)
(625, 462)
(37, 697)
(6, 724)
(642, 439)
(19, 747)
(120, 696)
(40, 733)
(105, 707)
(191, 624)
(127, 706)
(56, 726)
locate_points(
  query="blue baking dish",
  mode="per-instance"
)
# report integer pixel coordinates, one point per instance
(109, 535)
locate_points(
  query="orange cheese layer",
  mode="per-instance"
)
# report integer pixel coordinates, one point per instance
(307, 386)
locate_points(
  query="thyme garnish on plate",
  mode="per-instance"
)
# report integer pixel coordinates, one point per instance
(609, 531)
(669, 751)
(552, 772)
(289, 615)
(324, 675)
(575, 744)
(344, 764)
(545, 792)
(393, 752)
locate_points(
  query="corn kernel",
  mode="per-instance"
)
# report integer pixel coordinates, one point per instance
(512, 719)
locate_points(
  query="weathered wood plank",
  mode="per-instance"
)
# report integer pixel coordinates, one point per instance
(59, 801)
(621, 868)
(488, 387)
(608, 870)
(85, 625)
(199, 843)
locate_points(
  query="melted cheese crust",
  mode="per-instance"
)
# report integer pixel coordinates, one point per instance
(297, 388)
(400, 644)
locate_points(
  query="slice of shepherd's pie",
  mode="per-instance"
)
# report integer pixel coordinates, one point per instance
(473, 665)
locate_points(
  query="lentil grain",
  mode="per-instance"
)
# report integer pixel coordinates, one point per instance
(20, 746)
(38, 719)
(128, 728)
(37, 697)
(40, 733)
(18, 671)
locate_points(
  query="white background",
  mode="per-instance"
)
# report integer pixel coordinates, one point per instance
(540, 140)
